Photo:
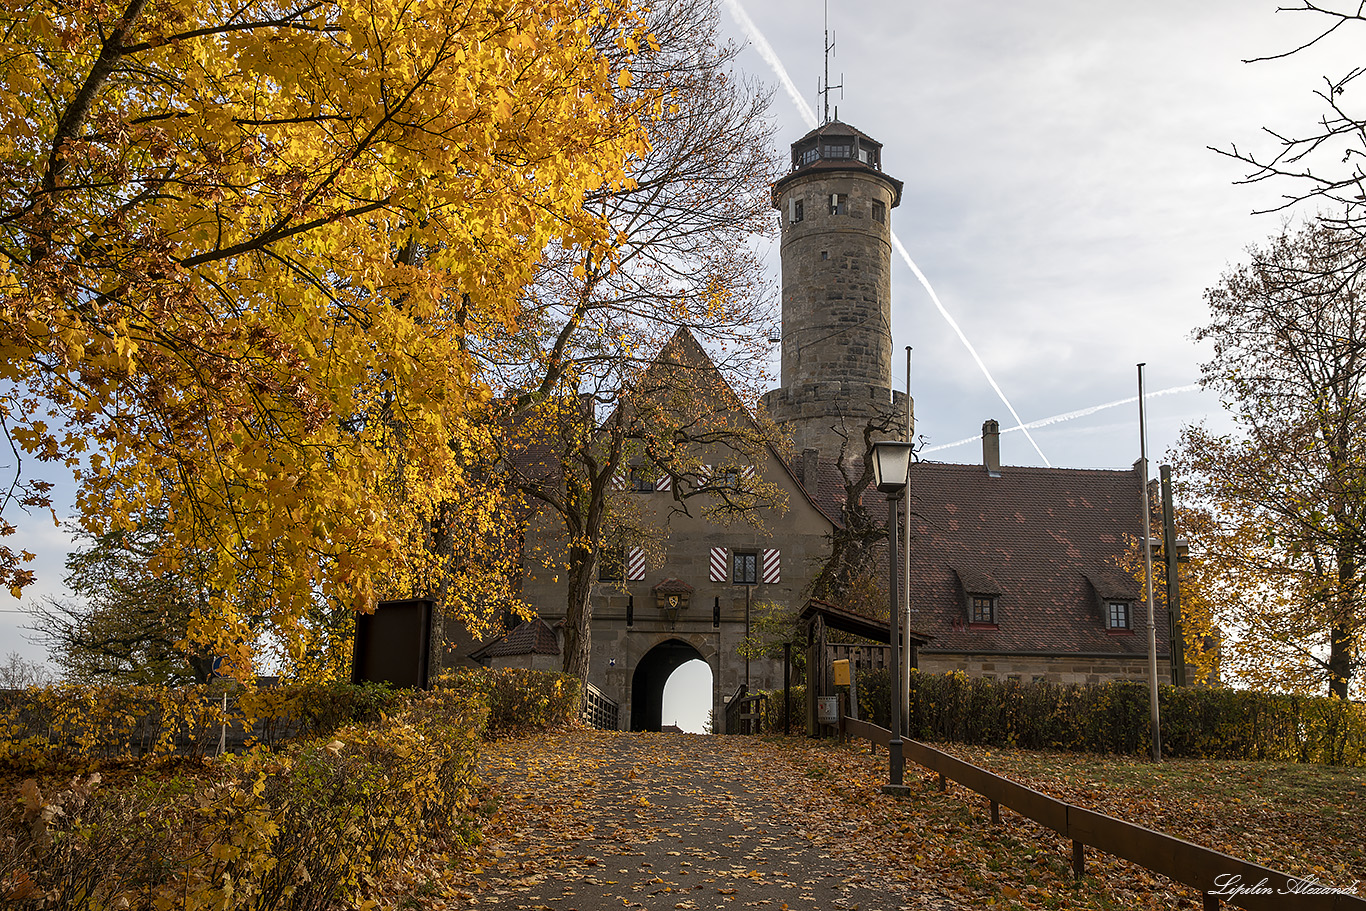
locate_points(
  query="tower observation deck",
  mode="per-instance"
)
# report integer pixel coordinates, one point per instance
(835, 205)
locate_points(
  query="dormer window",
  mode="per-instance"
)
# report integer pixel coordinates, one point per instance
(839, 150)
(808, 156)
(982, 610)
(1119, 616)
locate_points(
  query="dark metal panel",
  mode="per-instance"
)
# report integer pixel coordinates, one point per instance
(393, 645)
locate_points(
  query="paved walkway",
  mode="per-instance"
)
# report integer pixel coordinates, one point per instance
(591, 821)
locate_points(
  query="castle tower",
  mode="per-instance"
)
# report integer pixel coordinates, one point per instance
(835, 205)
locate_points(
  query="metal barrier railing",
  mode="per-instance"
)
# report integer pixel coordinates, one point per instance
(1212, 872)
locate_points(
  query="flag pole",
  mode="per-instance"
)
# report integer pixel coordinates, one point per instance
(1148, 572)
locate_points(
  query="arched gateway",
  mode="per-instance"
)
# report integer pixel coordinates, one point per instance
(651, 673)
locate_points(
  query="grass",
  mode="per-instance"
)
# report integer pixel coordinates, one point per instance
(1303, 820)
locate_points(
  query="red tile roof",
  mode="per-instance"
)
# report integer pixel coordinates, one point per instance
(1043, 539)
(532, 637)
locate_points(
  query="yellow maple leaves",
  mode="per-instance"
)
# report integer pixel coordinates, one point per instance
(244, 250)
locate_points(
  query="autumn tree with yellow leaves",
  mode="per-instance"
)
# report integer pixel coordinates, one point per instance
(244, 251)
(583, 381)
(1278, 508)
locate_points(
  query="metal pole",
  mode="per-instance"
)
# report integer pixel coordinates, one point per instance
(906, 566)
(894, 760)
(787, 688)
(1148, 573)
(747, 588)
(1177, 645)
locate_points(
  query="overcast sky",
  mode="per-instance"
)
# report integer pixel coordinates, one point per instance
(1059, 197)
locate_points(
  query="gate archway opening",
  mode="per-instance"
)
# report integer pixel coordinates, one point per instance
(651, 674)
(688, 697)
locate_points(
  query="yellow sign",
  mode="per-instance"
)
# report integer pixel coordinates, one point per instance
(841, 668)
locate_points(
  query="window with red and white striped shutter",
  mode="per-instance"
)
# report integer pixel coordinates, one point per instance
(773, 566)
(747, 472)
(663, 482)
(718, 564)
(635, 564)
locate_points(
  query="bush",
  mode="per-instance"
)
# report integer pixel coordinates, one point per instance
(309, 827)
(1114, 718)
(519, 699)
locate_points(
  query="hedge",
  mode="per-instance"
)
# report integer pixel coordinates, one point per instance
(1111, 717)
(1114, 717)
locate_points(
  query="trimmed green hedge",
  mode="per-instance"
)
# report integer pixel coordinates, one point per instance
(1114, 718)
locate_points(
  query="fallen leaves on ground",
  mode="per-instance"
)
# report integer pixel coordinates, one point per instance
(589, 819)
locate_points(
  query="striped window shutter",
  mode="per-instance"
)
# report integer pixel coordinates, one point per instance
(747, 472)
(773, 566)
(621, 478)
(718, 564)
(663, 482)
(635, 564)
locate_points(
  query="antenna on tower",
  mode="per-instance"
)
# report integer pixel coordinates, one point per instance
(825, 92)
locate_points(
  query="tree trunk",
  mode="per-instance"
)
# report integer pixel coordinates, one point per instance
(578, 615)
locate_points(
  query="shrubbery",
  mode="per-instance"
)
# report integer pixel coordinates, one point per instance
(1114, 718)
(310, 824)
(1111, 718)
(519, 699)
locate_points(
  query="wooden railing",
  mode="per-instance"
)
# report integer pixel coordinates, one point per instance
(600, 710)
(1217, 875)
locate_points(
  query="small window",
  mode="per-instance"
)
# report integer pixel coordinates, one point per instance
(727, 477)
(808, 156)
(825, 254)
(796, 210)
(612, 563)
(865, 156)
(983, 609)
(642, 479)
(746, 569)
(839, 150)
(879, 212)
(1118, 612)
(839, 203)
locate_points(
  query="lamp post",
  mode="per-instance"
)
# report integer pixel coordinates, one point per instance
(891, 470)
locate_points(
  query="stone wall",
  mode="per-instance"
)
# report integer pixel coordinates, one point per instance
(1078, 669)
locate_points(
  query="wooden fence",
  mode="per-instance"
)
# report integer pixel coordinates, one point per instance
(600, 710)
(1214, 873)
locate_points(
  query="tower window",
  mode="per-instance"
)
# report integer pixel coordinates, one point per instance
(808, 156)
(825, 254)
(839, 151)
(796, 211)
(879, 211)
(839, 203)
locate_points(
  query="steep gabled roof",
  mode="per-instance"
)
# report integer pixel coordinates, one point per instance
(1043, 540)
(532, 637)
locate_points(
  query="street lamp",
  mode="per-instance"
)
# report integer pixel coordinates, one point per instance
(891, 470)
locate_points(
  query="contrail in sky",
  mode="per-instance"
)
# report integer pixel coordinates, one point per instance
(771, 58)
(766, 51)
(1071, 415)
(1019, 424)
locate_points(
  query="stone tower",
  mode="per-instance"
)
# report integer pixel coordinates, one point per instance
(835, 205)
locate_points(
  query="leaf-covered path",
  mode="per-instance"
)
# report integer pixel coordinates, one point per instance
(589, 820)
(594, 821)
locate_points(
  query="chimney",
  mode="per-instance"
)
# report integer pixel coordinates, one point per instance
(991, 448)
(806, 469)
